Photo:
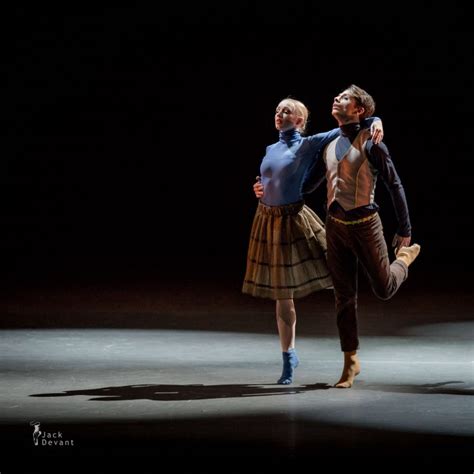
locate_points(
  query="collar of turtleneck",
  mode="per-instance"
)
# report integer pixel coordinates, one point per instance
(290, 136)
(350, 129)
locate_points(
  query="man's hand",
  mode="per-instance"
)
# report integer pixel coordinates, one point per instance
(399, 241)
(376, 129)
(258, 188)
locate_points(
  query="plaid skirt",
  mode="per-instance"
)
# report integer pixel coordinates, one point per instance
(287, 253)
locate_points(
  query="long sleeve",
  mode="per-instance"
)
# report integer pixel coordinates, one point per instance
(316, 172)
(320, 140)
(367, 122)
(380, 158)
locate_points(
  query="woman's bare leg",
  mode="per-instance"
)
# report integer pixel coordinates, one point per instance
(286, 322)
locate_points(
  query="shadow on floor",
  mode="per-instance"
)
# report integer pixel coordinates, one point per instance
(425, 389)
(165, 392)
(176, 392)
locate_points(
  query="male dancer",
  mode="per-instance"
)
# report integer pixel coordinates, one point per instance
(353, 227)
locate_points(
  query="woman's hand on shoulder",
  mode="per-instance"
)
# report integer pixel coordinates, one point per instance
(376, 129)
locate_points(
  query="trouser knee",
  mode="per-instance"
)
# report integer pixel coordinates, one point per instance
(382, 293)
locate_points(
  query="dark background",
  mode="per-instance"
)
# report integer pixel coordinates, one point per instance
(133, 136)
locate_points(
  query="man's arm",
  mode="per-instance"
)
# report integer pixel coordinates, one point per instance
(380, 158)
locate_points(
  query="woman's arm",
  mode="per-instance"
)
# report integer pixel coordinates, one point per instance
(376, 128)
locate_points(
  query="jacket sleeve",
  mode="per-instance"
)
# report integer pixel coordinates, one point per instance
(381, 160)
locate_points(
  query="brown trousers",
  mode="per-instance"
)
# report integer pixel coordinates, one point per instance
(348, 244)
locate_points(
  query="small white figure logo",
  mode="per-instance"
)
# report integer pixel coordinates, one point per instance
(36, 432)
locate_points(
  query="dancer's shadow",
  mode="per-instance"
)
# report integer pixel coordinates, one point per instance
(439, 388)
(164, 392)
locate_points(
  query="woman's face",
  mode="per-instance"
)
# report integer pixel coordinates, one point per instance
(285, 117)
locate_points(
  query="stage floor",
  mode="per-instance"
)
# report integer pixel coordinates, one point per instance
(187, 374)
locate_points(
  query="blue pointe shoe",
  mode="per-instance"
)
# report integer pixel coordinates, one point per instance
(290, 362)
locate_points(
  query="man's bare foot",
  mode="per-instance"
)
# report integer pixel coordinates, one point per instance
(350, 371)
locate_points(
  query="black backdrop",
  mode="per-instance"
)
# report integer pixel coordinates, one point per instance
(133, 136)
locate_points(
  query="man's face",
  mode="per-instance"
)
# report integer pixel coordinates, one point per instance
(345, 107)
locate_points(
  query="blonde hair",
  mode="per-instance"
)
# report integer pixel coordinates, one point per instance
(299, 109)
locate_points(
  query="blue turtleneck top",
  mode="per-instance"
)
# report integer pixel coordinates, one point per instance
(285, 164)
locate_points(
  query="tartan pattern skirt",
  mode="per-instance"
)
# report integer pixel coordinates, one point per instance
(286, 256)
